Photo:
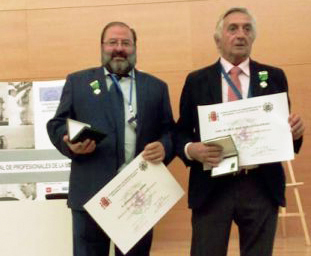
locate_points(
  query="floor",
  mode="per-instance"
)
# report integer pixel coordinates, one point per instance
(290, 246)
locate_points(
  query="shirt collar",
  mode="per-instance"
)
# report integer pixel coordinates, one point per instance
(244, 66)
(130, 74)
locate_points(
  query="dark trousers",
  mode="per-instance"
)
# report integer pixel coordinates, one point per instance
(90, 240)
(244, 201)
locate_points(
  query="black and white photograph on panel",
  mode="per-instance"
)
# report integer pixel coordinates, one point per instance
(16, 115)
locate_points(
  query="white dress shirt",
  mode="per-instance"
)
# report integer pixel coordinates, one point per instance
(244, 78)
(130, 134)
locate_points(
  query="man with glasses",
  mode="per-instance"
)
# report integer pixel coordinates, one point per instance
(252, 196)
(133, 109)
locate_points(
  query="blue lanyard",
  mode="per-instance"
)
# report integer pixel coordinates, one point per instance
(235, 90)
(116, 82)
(230, 83)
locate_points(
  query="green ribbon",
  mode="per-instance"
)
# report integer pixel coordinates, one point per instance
(263, 77)
(95, 86)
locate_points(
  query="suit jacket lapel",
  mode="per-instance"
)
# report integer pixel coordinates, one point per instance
(114, 114)
(216, 86)
(140, 99)
(256, 89)
(105, 99)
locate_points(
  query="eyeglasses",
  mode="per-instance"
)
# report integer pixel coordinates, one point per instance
(114, 43)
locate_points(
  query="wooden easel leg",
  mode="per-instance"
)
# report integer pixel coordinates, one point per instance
(299, 205)
(283, 223)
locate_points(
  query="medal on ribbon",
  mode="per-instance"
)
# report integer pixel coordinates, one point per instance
(95, 86)
(263, 77)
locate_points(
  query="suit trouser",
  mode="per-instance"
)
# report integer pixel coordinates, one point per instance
(90, 240)
(244, 201)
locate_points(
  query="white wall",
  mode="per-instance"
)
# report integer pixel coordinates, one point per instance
(35, 228)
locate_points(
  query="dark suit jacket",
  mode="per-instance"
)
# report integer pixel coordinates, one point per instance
(89, 173)
(203, 87)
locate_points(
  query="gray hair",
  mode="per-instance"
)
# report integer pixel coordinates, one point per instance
(220, 22)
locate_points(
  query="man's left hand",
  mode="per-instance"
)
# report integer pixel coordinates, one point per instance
(154, 152)
(297, 127)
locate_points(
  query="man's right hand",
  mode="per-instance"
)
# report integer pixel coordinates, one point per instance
(208, 154)
(85, 147)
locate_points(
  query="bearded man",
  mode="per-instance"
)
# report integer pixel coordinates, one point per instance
(117, 100)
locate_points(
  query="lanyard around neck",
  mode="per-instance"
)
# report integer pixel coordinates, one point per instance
(233, 87)
(230, 83)
(116, 82)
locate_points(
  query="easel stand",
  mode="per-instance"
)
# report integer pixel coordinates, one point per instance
(300, 212)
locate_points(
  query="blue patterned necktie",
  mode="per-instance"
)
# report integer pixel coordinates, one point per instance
(116, 98)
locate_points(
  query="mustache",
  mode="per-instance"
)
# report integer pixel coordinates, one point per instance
(119, 54)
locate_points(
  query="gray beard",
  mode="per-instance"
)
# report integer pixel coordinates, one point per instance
(119, 67)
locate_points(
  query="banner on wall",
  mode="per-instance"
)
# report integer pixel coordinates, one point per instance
(30, 166)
